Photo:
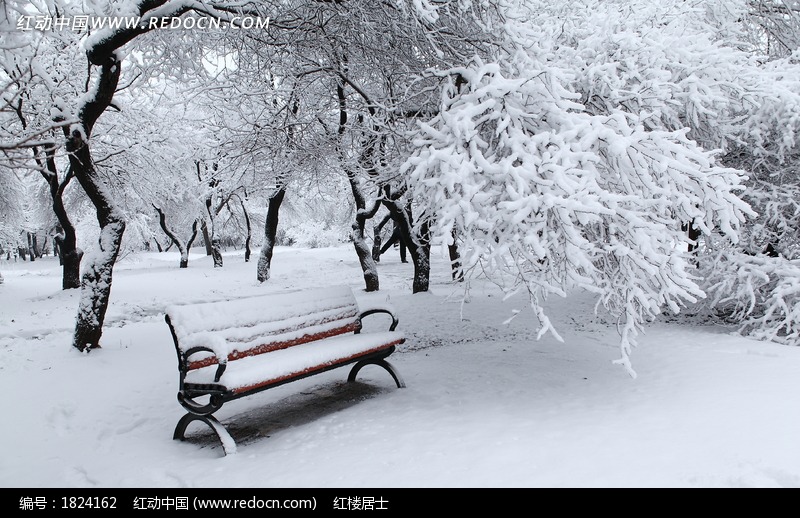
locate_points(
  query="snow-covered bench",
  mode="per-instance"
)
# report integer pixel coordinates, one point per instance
(235, 348)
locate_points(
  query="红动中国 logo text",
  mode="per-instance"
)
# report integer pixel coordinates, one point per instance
(83, 23)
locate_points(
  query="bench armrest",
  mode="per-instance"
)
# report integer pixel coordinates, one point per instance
(221, 366)
(373, 311)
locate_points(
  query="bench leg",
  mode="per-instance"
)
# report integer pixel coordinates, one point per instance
(383, 363)
(228, 444)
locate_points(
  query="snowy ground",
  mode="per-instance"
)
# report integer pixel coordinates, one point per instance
(486, 404)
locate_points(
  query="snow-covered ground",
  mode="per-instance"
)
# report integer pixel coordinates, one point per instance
(486, 404)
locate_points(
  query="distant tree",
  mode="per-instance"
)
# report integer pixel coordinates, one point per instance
(37, 71)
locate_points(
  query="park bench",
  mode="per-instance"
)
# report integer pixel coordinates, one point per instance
(234, 348)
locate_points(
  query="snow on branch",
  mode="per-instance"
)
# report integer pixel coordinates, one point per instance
(759, 292)
(103, 43)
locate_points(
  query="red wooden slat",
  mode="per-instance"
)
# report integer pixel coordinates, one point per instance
(274, 346)
(293, 375)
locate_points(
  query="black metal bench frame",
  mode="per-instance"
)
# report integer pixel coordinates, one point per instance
(218, 396)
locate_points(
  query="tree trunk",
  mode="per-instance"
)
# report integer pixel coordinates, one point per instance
(694, 235)
(71, 269)
(420, 250)
(97, 279)
(36, 250)
(363, 249)
(455, 259)
(418, 245)
(69, 257)
(57, 246)
(68, 252)
(206, 238)
(364, 253)
(185, 252)
(216, 246)
(216, 250)
(270, 235)
(96, 285)
(31, 245)
(249, 233)
(376, 240)
(376, 245)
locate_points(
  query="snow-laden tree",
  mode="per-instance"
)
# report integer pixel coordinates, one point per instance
(754, 284)
(694, 65)
(550, 195)
(733, 98)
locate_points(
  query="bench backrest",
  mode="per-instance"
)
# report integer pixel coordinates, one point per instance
(248, 326)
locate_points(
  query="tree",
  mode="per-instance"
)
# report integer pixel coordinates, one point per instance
(183, 245)
(549, 196)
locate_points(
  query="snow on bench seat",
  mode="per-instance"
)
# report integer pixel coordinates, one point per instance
(234, 329)
(278, 365)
